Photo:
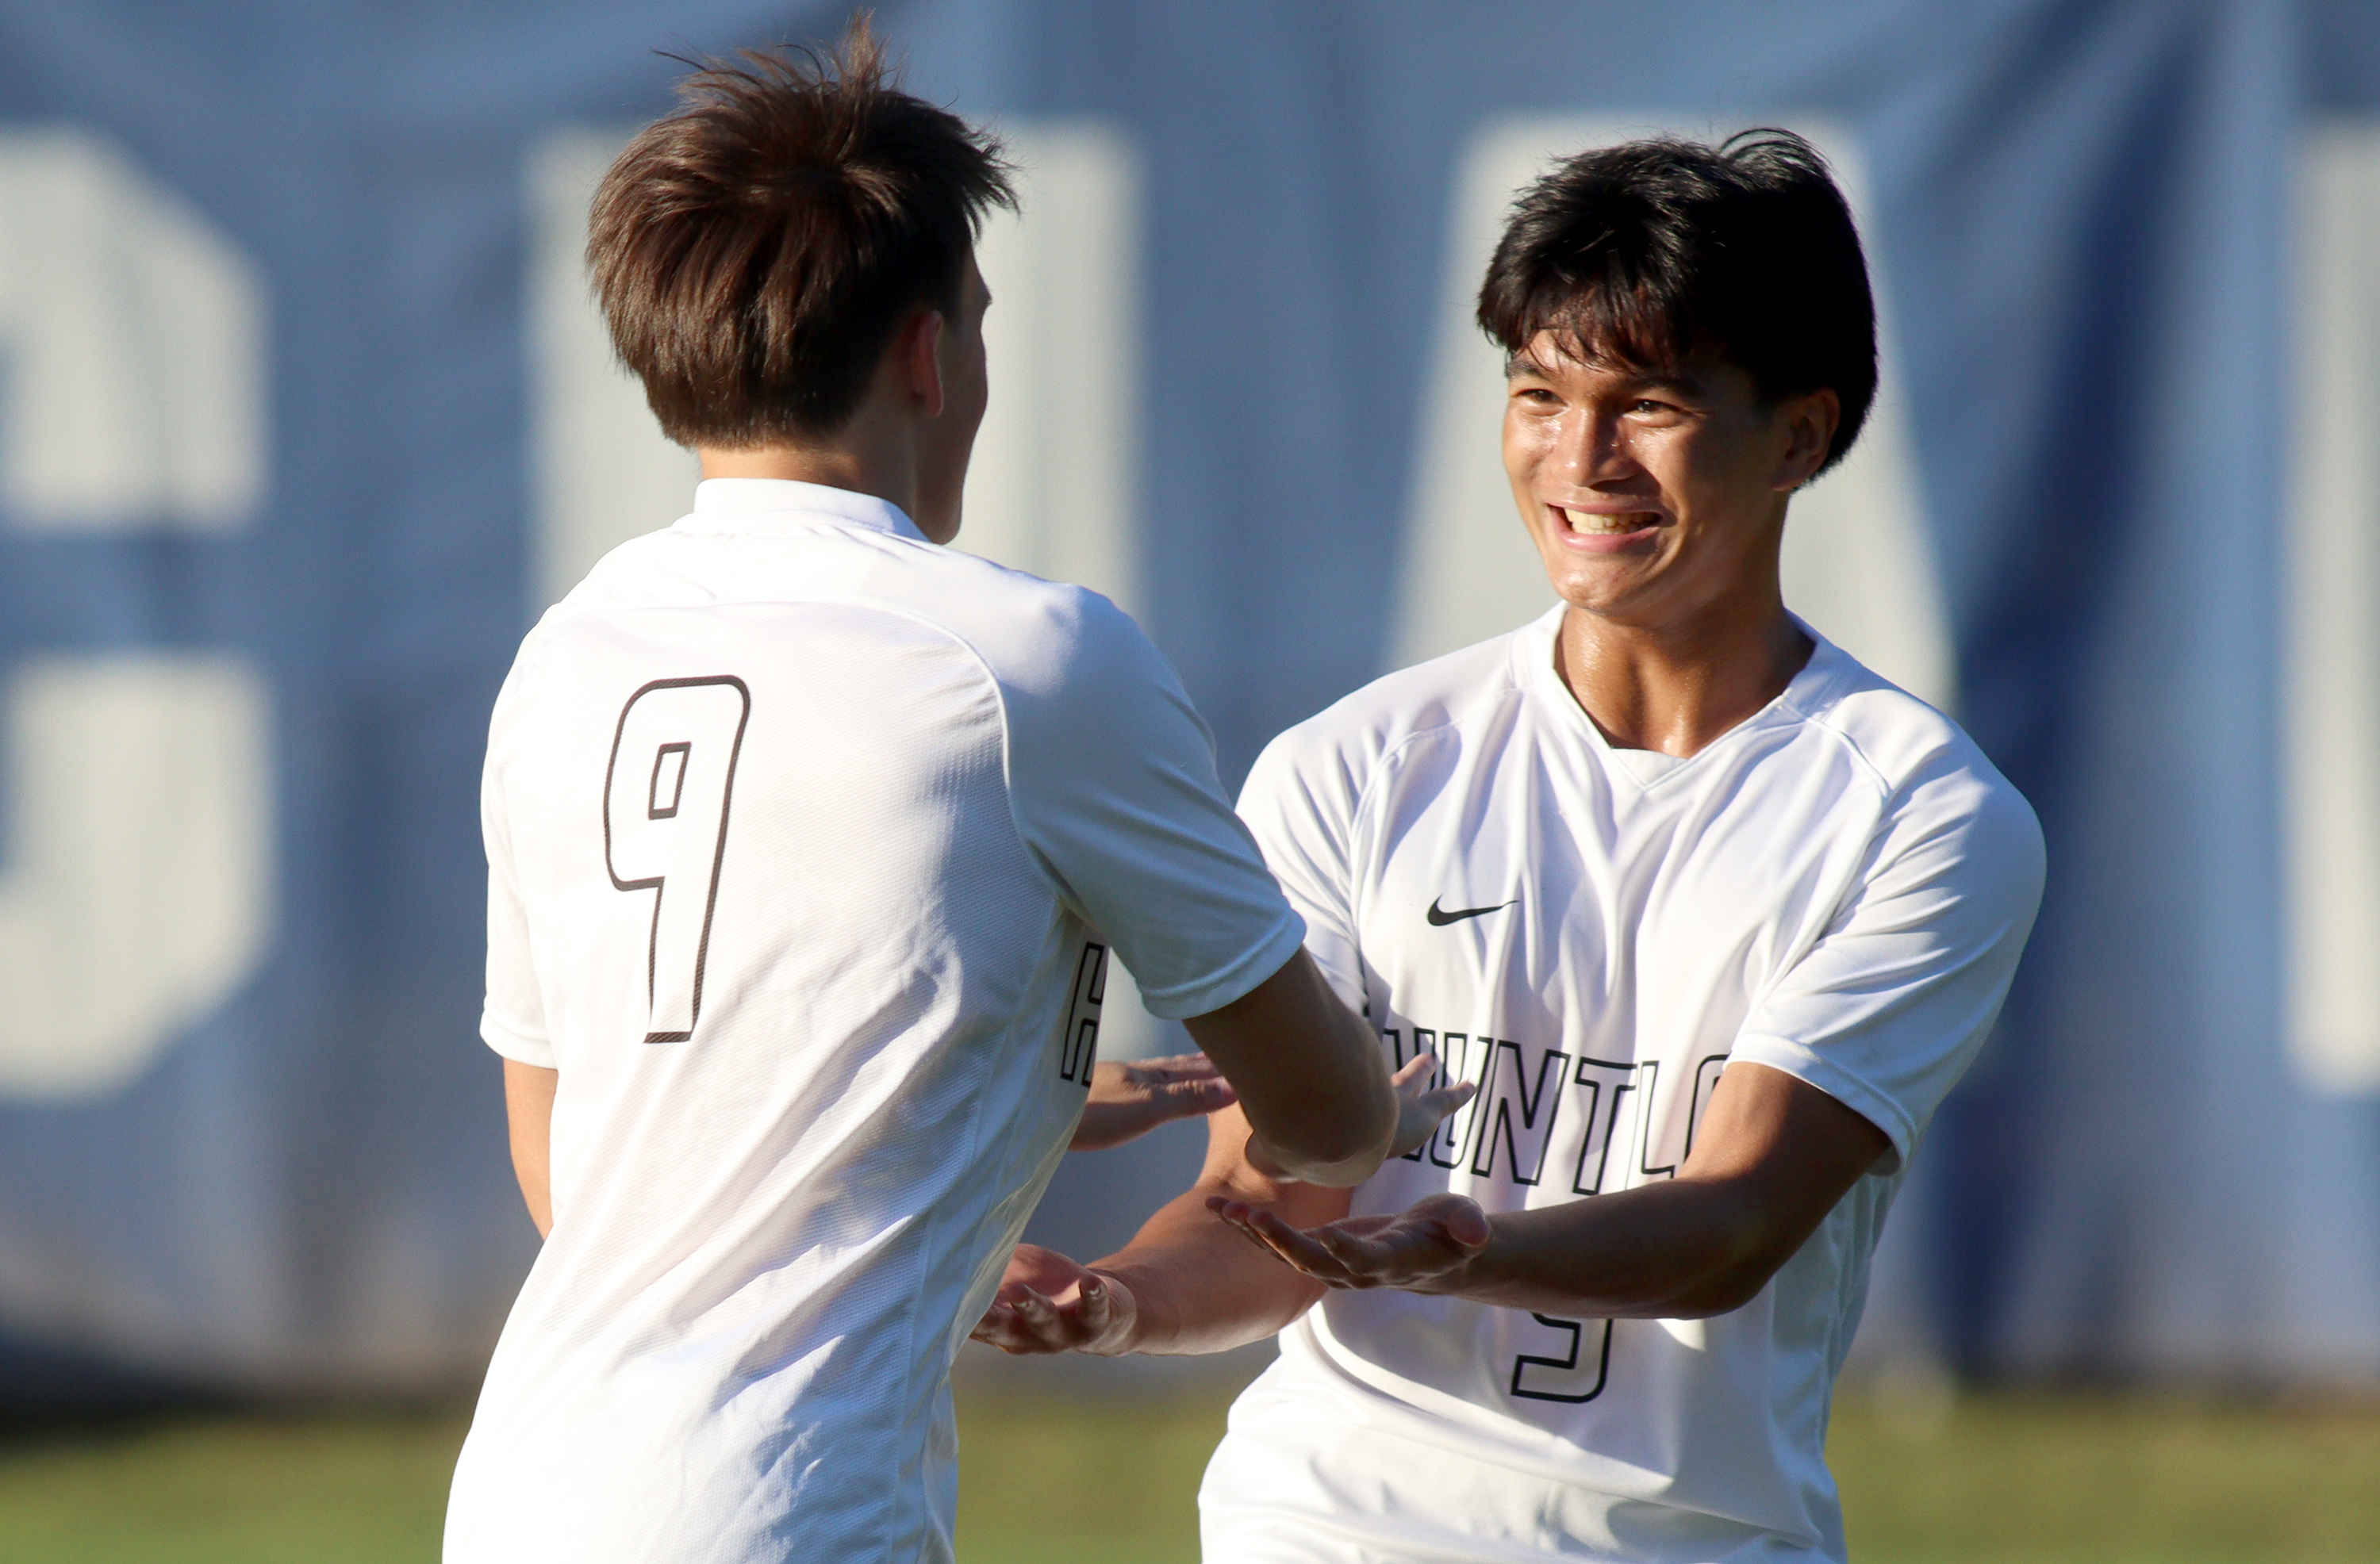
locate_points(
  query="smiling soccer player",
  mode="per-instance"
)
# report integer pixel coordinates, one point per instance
(1712, 915)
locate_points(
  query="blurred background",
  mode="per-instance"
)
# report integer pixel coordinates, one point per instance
(305, 415)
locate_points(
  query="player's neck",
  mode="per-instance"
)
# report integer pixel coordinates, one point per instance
(886, 469)
(884, 449)
(1676, 687)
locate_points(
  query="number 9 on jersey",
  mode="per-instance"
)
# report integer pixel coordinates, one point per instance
(666, 793)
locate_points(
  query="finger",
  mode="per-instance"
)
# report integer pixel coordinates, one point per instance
(1242, 1220)
(1299, 1248)
(1356, 1253)
(1416, 1068)
(1176, 1067)
(1208, 1096)
(1466, 1224)
(1235, 1217)
(1420, 1113)
(1095, 1312)
(1002, 1328)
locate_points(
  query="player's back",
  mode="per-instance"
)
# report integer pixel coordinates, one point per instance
(816, 1003)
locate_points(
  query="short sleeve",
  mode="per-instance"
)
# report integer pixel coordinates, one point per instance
(1112, 776)
(512, 1021)
(1888, 1008)
(1300, 800)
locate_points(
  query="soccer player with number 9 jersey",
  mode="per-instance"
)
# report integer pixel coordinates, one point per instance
(1710, 914)
(809, 842)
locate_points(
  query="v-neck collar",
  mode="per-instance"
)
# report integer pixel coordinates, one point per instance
(1534, 671)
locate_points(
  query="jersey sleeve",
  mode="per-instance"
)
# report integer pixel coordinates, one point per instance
(1300, 800)
(513, 1020)
(1888, 1008)
(1112, 776)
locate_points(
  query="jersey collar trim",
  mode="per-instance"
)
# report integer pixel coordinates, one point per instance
(1808, 692)
(750, 504)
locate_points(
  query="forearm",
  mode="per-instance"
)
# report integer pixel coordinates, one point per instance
(529, 1113)
(1310, 1077)
(1201, 1287)
(1677, 1249)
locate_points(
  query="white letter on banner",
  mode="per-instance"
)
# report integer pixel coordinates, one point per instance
(140, 855)
(2330, 620)
(600, 470)
(1857, 561)
(1053, 487)
(136, 889)
(134, 348)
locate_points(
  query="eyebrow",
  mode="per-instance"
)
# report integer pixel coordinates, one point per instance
(1524, 363)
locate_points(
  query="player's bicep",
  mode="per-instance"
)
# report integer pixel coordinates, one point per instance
(1765, 1124)
(1780, 1154)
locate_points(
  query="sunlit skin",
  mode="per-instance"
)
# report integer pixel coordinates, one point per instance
(1656, 501)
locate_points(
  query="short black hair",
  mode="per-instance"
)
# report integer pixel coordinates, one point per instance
(755, 252)
(1655, 251)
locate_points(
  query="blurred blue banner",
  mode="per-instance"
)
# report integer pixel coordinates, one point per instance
(303, 414)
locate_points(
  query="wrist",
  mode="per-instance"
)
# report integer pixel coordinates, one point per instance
(1475, 1274)
(1130, 1331)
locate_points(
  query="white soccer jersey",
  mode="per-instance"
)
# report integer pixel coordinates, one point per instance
(1839, 888)
(800, 830)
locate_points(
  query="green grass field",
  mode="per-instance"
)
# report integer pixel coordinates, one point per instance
(1993, 1478)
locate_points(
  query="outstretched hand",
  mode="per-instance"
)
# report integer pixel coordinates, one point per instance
(1129, 1100)
(1048, 1304)
(1420, 1106)
(1424, 1248)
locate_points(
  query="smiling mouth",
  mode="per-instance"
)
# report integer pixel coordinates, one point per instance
(1595, 525)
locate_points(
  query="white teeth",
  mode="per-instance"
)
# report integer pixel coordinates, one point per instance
(1582, 521)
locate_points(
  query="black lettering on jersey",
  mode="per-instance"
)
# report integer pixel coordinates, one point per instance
(1078, 1048)
(1649, 1127)
(1517, 1108)
(1613, 1081)
(1539, 1377)
(1625, 1079)
(1460, 1058)
(1706, 1080)
(1534, 1107)
(1397, 1051)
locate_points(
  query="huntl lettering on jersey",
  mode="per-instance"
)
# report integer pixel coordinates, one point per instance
(1509, 1124)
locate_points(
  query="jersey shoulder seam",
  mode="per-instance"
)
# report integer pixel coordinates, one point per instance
(1883, 784)
(1505, 691)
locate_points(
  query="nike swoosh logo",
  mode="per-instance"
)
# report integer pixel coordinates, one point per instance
(1440, 917)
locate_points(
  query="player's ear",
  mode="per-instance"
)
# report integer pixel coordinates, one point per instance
(919, 350)
(1810, 423)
